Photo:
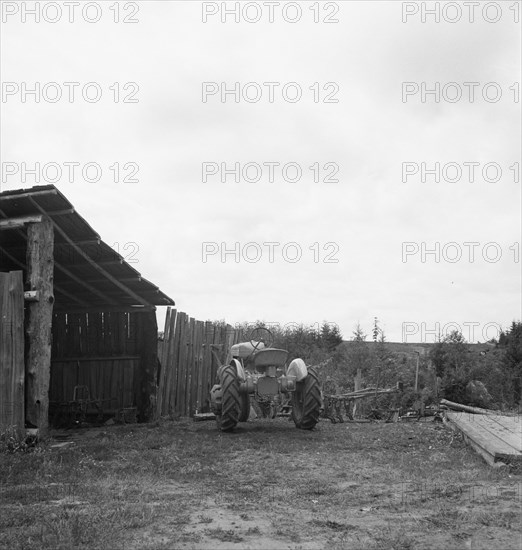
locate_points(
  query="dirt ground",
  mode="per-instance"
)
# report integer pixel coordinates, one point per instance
(180, 484)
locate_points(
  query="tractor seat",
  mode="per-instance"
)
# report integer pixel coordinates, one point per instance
(270, 357)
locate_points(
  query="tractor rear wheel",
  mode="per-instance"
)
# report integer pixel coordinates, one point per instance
(306, 401)
(231, 400)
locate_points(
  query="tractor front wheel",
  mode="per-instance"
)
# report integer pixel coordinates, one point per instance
(306, 401)
(231, 400)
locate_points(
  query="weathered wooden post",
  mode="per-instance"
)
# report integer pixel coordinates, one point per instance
(40, 273)
(417, 372)
(357, 383)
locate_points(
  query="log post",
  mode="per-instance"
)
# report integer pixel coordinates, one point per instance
(40, 272)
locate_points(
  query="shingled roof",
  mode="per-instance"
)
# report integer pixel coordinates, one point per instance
(88, 273)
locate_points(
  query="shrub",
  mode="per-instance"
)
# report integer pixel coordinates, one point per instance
(14, 440)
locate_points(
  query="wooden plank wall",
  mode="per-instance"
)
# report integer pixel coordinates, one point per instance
(111, 380)
(95, 334)
(12, 367)
(187, 366)
(107, 352)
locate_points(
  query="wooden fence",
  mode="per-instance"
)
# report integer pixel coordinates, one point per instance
(12, 369)
(188, 368)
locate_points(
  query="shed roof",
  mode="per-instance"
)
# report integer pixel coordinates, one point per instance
(88, 273)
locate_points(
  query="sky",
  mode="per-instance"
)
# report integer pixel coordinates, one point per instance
(354, 196)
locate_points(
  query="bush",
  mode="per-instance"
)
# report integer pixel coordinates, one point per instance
(13, 440)
(454, 389)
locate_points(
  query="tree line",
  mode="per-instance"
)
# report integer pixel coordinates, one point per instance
(427, 372)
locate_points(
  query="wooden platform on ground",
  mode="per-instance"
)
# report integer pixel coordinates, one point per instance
(497, 438)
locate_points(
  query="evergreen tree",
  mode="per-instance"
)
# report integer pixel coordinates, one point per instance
(330, 336)
(511, 341)
(384, 362)
(359, 357)
(376, 330)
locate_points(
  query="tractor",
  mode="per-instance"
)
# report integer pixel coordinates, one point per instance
(258, 372)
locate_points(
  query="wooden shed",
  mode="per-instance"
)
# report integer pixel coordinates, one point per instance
(77, 322)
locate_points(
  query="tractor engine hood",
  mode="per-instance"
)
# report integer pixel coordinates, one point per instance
(244, 349)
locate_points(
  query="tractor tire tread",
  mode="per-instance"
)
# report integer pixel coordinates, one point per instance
(306, 415)
(231, 405)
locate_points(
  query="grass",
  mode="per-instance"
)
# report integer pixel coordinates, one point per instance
(186, 485)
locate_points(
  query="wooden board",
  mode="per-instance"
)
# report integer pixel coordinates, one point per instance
(496, 438)
(145, 384)
(182, 365)
(12, 368)
(207, 381)
(189, 365)
(174, 355)
(198, 365)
